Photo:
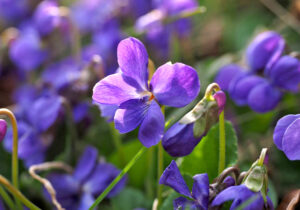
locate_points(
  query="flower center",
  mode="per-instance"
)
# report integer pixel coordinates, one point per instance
(151, 97)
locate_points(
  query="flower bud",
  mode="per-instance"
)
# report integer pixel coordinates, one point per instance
(3, 128)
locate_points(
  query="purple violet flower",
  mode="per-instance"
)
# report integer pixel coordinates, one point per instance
(265, 50)
(286, 136)
(281, 74)
(77, 191)
(33, 120)
(62, 73)
(180, 139)
(158, 33)
(240, 194)
(3, 129)
(200, 192)
(47, 17)
(172, 85)
(26, 51)
(13, 11)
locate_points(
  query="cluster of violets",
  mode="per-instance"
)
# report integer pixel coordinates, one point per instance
(204, 196)
(270, 74)
(56, 54)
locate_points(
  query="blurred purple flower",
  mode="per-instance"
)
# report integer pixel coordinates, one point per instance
(33, 120)
(3, 129)
(287, 134)
(77, 191)
(172, 85)
(226, 75)
(285, 73)
(265, 50)
(47, 17)
(240, 194)
(281, 74)
(61, 74)
(31, 145)
(90, 15)
(12, 11)
(158, 33)
(26, 51)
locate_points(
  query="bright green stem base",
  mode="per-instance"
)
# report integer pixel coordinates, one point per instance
(118, 178)
(222, 143)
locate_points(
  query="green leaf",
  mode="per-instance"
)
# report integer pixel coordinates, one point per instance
(138, 172)
(205, 157)
(129, 199)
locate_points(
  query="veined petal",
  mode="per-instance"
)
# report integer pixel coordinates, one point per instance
(200, 191)
(152, 128)
(130, 115)
(172, 178)
(281, 126)
(86, 164)
(133, 60)
(114, 90)
(264, 97)
(179, 140)
(291, 142)
(175, 84)
(226, 75)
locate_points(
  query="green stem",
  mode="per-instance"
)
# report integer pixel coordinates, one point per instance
(6, 198)
(118, 178)
(149, 180)
(160, 168)
(17, 194)
(222, 143)
(118, 143)
(15, 161)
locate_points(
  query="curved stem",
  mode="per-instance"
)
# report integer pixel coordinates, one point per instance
(222, 143)
(118, 178)
(17, 193)
(15, 162)
(47, 184)
(6, 198)
(213, 87)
